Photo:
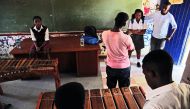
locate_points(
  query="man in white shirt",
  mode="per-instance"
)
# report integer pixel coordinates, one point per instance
(161, 20)
(166, 94)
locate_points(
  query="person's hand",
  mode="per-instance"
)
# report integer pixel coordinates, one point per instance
(129, 32)
(167, 38)
(37, 49)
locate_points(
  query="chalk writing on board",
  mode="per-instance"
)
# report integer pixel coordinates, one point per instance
(7, 43)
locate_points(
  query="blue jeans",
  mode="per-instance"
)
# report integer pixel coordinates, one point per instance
(120, 75)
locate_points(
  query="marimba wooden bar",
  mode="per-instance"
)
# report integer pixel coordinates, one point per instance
(13, 69)
(116, 98)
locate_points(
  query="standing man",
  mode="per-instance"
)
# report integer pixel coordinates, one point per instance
(117, 45)
(161, 20)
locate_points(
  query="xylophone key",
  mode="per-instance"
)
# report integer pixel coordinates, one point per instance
(138, 96)
(96, 99)
(129, 98)
(118, 97)
(87, 104)
(47, 100)
(2, 64)
(108, 99)
(5, 65)
(31, 62)
(19, 64)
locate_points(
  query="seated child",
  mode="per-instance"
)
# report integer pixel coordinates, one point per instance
(40, 37)
(70, 96)
(90, 36)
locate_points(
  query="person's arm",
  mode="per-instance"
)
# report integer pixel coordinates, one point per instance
(174, 27)
(34, 40)
(46, 39)
(151, 16)
(129, 43)
(168, 37)
(150, 106)
(129, 30)
(137, 31)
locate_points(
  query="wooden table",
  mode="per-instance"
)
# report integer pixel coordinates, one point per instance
(124, 98)
(71, 56)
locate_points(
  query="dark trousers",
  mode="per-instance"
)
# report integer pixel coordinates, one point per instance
(120, 75)
(156, 44)
(42, 54)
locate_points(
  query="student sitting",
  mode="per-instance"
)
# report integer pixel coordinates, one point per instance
(90, 36)
(166, 94)
(40, 37)
(70, 96)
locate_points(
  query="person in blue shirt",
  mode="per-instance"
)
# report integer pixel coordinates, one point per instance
(90, 35)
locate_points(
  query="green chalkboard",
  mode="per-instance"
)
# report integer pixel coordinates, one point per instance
(62, 15)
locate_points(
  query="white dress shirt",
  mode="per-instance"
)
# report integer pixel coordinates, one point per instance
(137, 26)
(171, 96)
(46, 33)
(161, 24)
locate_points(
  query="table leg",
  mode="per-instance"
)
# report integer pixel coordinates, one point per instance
(1, 90)
(57, 77)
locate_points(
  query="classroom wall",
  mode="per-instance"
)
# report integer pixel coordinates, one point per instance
(186, 73)
(59, 15)
(62, 15)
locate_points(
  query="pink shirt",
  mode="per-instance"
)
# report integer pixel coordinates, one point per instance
(117, 46)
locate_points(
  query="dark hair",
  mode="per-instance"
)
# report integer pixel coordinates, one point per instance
(70, 96)
(161, 62)
(166, 3)
(91, 31)
(37, 17)
(133, 15)
(120, 19)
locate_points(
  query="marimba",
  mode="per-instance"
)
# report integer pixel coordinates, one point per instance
(116, 98)
(13, 69)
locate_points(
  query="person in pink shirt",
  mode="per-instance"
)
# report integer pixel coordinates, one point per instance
(117, 45)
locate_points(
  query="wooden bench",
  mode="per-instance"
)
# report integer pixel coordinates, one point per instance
(116, 98)
(13, 69)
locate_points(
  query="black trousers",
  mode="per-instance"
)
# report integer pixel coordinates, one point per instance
(156, 44)
(120, 75)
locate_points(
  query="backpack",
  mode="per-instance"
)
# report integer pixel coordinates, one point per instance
(90, 40)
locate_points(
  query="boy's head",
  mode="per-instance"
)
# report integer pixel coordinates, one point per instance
(157, 68)
(37, 21)
(120, 19)
(70, 96)
(90, 30)
(166, 7)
